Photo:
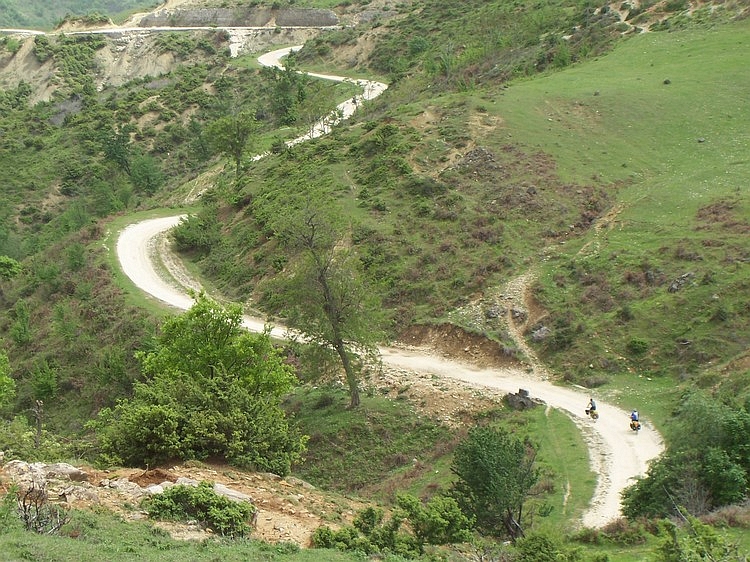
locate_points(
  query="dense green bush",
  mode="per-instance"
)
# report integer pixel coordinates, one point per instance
(708, 465)
(545, 548)
(221, 514)
(212, 390)
(436, 522)
(495, 471)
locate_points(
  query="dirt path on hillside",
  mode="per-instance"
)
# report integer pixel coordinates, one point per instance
(617, 454)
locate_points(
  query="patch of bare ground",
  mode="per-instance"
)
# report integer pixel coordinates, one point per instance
(289, 509)
(452, 341)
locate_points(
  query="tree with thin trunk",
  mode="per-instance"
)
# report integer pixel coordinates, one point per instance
(496, 472)
(230, 135)
(323, 291)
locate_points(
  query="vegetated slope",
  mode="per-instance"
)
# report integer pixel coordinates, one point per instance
(453, 185)
(40, 14)
(71, 163)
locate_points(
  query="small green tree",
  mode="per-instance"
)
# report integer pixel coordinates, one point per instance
(707, 466)
(9, 267)
(181, 503)
(20, 330)
(44, 381)
(146, 174)
(212, 390)
(230, 135)
(694, 541)
(116, 146)
(495, 471)
(439, 521)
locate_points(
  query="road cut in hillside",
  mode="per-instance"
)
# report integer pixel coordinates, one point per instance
(617, 454)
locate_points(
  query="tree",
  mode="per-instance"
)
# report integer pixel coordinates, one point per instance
(212, 390)
(116, 146)
(230, 136)
(325, 295)
(436, 522)
(495, 473)
(145, 174)
(288, 89)
(9, 268)
(439, 521)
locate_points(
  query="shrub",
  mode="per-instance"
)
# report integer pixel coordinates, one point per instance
(624, 532)
(181, 503)
(637, 346)
(543, 548)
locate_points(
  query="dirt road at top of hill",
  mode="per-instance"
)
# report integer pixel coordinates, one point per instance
(617, 454)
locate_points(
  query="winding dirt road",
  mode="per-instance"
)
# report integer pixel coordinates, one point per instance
(617, 454)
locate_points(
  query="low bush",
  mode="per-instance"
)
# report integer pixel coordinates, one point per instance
(182, 503)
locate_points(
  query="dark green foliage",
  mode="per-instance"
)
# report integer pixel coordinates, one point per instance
(694, 541)
(20, 330)
(212, 390)
(198, 233)
(9, 267)
(637, 346)
(436, 522)
(182, 503)
(439, 521)
(287, 91)
(7, 384)
(43, 48)
(44, 381)
(544, 548)
(116, 146)
(146, 174)
(325, 295)
(231, 136)
(707, 465)
(495, 472)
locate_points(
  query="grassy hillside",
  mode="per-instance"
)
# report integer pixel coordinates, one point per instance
(511, 140)
(612, 179)
(658, 121)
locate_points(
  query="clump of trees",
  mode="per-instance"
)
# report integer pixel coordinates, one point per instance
(494, 472)
(211, 389)
(706, 467)
(411, 526)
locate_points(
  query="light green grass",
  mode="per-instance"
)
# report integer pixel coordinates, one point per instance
(564, 457)
(616, 110)
(102, 537)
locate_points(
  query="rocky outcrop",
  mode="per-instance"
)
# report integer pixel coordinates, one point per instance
(248, 17)
(68, 484)
(521, 400)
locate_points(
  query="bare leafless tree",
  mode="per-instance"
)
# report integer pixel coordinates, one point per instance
(36, 511)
